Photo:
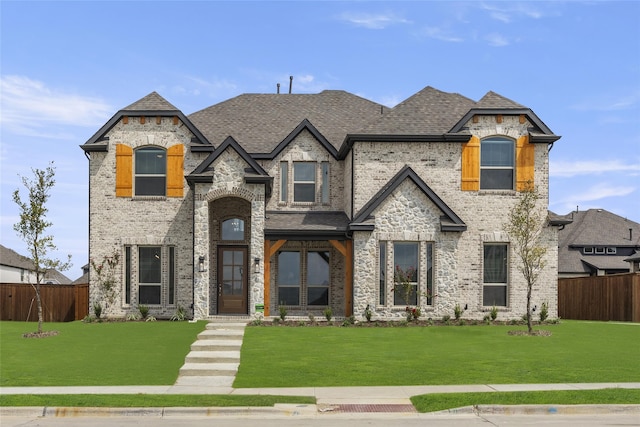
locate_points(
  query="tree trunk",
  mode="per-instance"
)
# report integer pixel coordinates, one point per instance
(530, 328)
(39, 308)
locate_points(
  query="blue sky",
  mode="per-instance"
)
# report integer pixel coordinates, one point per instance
(68, 67)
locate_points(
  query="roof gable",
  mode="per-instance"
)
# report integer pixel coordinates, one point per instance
(304, 125)
(151, 105)
(449, 221)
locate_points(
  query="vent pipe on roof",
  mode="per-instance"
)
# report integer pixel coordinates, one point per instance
(278, 85)
(631, 234)
(290, 83)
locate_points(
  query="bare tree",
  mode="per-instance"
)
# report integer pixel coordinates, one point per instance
(525, 225)
(33, 225)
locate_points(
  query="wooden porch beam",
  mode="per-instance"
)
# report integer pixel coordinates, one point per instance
(277, 245)
(339, 246)
(267, 276)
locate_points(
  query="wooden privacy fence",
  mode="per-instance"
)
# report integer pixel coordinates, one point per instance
(613, 297)
(60, 303)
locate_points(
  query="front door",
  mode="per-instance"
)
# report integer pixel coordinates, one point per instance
(232, 280)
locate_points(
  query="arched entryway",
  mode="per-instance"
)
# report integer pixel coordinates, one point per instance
(230, 231)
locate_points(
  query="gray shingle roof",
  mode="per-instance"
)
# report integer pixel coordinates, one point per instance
(281, 223)
(428, 112)
(11, 258)
(592, 228)
(259, 122)
(151, 102)
(494, 100)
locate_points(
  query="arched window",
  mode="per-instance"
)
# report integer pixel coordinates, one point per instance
(150, 171)
(232, 229)
(497, 159)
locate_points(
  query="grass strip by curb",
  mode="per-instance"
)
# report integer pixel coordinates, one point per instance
(443, 401)
(149, 400)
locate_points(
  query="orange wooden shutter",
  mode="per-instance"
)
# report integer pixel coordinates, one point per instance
(124, 172)
(471, 165)
(175, 174)
(525, 163)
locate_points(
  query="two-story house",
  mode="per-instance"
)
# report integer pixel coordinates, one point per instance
(315, 201)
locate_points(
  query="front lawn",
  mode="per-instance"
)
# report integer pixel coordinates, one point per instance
(118, 353)
(576, 352)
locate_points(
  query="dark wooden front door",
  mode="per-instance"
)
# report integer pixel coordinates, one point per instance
(232, 280)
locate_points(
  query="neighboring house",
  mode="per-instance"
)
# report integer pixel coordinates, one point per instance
(597, 242)
(312, 201)
(84, 279)
(15, 268)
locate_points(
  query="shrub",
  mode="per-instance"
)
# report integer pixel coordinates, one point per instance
(283, 312)
(97, 309)
(133, 317)
(368, 313)
(312, 318)
(457, 311)
(544, 312)
(494, 313)
(144, 310)
(328, 314)
(179, 315)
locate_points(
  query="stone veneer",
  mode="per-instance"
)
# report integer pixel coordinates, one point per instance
(406, 215)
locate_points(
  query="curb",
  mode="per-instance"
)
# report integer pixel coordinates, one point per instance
(279, 410)
(542, 410)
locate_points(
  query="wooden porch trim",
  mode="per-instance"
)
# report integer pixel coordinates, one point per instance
(269, 251)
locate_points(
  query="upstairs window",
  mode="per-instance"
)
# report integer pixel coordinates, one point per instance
(304, 182)
(497, 157)
(233, 229)
(150, 171)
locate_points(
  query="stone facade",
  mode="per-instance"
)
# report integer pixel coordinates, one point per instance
(222, 184)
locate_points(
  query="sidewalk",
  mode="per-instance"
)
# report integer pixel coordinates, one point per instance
(329, 400)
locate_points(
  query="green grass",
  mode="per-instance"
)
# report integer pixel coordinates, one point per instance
(317, 357)
(443, 401)
(118, 353)
(148, 400)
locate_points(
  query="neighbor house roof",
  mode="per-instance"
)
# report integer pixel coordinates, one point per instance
(11, 258)
(595, 228)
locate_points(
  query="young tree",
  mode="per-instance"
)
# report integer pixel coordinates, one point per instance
(525, 225)
(33, 225)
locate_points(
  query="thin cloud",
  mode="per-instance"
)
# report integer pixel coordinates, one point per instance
(608, 102)
(496, 40)
(440, 33)
(566, 169)
(29, 107)
(509, 12)
(372, 21)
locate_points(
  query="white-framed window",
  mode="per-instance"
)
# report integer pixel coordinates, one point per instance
(150, 171)
(314, 284)
(304, 182)
(497, 159)
(495, 274)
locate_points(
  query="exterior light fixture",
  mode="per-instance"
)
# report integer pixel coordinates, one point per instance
(256, 265)
(201, 264)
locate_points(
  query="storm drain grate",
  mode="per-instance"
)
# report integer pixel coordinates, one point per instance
(356, 408)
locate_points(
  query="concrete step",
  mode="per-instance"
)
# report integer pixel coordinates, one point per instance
(218, 334)
(213, 357)
(216, 345)
(226, 325)
(209, 369)
(206, 381)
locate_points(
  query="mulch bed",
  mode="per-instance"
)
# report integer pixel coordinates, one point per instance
(42, 334)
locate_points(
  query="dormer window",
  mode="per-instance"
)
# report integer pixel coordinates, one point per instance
(497, 158)
(150, 171)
